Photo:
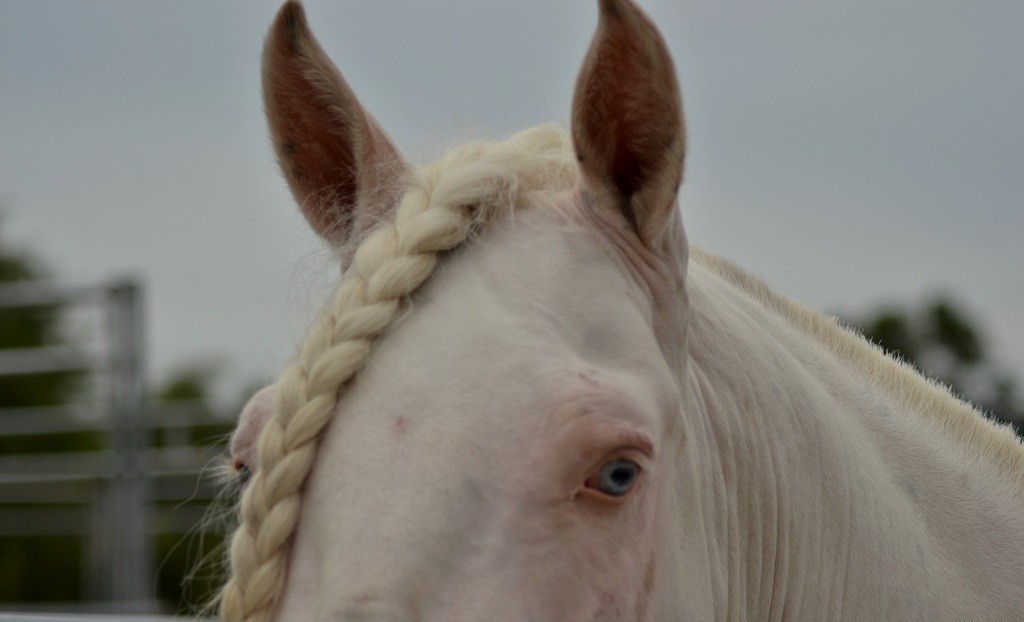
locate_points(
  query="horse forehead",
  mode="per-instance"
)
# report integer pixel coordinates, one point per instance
(532, 308)
(539, 286)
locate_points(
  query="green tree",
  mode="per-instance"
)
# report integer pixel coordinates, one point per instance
(188, 570)
(28, 328)
(50, 568)
(36, 568)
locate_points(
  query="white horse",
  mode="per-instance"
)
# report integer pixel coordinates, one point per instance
(572, 415)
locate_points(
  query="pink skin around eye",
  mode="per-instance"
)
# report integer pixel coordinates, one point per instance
(254, 416)
(580, 446)
(611, 536)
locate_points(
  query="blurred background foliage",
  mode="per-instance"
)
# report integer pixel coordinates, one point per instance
(30, 328)
(50, 569)
(37, 567)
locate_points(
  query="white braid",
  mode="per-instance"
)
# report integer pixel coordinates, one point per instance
(444, 205)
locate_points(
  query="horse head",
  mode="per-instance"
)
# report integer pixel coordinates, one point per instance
(486, 422)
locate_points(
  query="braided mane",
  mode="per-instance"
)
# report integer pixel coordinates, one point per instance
(443, 205)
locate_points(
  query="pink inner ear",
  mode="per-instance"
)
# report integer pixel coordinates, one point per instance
(310, 122)
(627, 113)
(627, 119)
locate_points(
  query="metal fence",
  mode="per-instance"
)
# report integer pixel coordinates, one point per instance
(116, 498)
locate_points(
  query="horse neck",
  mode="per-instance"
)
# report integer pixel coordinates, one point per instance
(822, 495)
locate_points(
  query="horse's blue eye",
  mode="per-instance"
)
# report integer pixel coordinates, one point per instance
(244, 474)
(616, 478)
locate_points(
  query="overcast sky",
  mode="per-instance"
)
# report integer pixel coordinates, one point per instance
(850, 152)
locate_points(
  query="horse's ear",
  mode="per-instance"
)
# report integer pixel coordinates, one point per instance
(627, 120)
(343, 169)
